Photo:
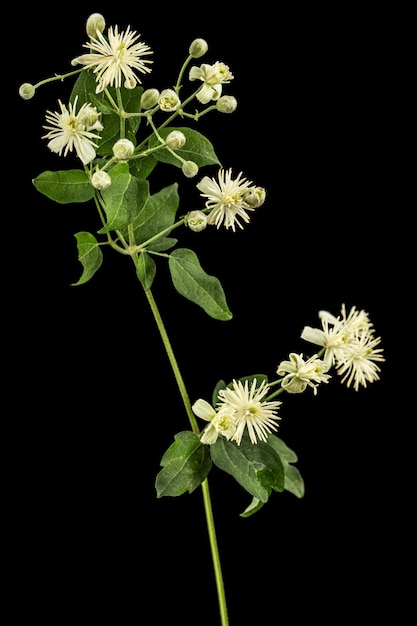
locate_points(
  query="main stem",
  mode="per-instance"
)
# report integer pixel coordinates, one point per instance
(204, 485)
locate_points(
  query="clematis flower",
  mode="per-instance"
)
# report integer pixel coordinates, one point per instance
(246, 406)
(115, 57)
(219, 422)
(70, 130)
(298, 373)
(227, 198)
(213, 78)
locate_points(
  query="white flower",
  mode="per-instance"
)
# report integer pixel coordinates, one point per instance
(350, 345)
(226, 198)
(245, 405)
(219, 422)
(213, 77)
(118, 55)
(358, 363)
(299, 373)
(69, 130)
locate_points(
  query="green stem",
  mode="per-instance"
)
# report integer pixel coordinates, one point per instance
(204, 485)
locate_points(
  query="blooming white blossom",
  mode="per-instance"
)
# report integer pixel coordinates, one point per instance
(115, 57)
(70, 130)
(358, 363)
(219, 422)
(299, 373)
(246, 406)
(226, 198)
(349, 344)
(213, 78)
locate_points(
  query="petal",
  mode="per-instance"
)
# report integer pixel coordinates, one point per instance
(204, 410)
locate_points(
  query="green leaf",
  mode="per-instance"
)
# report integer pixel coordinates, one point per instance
(253, 507)
(85, 87)
(124, 199)
(89, 254)
(256, 467)
(197, 148)
(146, 270)
(294, 482)
(192, 282)
(65, 187)
(141, 168)
(157, 214)
(185, 464)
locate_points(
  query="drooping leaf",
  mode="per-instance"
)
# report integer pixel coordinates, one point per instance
(192, 282)
(89, 254)
(294, 482)
(256, 467)
(65, 187)
(252, 508)
(124, 199)
(185, 465)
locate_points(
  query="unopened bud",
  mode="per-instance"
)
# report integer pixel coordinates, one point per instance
(189, 169)
(100, 180)
(198, 48)
(123, 149)
(196, 220)
(149, 98)
(26, 91)
(226, 104)
(255, 197)
(175, 140)
(95, 22)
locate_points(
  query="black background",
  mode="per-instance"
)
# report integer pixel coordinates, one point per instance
(94, 403)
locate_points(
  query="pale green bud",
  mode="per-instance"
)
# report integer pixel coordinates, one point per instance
(169, 101)
(198, 48)
(175, 140)
(196, 220)
(26, 91)
(189, 169)
(149, 98)
(226, 104)
(95, 22)
(255, 197)
(100, 180)
(123, 149)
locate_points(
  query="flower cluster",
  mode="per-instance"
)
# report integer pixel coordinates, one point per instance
(349, 344)
(240, 406)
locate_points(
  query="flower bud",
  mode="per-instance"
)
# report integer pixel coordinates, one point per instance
(255, 197)
(175, 140)
(196, 220)
(100, 180)
(198, 48)
(123, 149)
(189, 169)
(226, 104)
(149, 98)
(169, 101)
(26, 91)
(95, 22)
